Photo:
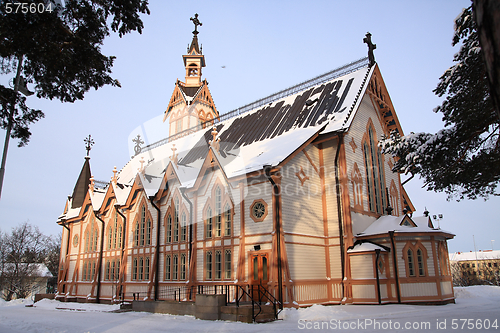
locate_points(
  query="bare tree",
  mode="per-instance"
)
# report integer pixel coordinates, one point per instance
(21, 250)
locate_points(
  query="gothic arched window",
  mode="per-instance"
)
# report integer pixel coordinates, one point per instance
(375, 175)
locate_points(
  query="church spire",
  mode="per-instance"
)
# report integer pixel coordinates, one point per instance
(191, 103)
(194, 60)
(83, 182)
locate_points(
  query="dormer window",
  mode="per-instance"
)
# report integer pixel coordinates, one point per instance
(407, 222)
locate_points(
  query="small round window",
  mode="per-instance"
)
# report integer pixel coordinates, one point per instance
(258, 210)
(75, 241)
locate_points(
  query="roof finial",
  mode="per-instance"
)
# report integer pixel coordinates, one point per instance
(196, 23)
(426, 212)
(174, 155)
(88, 144)
(141, 169)
(215, 143)
(114, 175)
(371, 47)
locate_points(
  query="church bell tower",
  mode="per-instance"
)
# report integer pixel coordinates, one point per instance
(191, 105)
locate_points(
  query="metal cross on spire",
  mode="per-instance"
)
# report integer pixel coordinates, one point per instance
(138, 143)
(371, 47)
(89, 142)
(196, 23)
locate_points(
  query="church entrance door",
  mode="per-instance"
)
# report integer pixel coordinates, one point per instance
(259, 273)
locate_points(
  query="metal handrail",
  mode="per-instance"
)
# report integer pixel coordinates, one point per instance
(273, 300)
(253, 301)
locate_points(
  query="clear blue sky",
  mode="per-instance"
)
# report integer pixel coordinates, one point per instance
(265, 46)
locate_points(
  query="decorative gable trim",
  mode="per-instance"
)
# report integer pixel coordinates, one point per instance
(407, 221)
(381, 99)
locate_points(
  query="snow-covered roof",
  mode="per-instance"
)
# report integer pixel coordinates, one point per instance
(97, 197)
(33, 269)
(479, 255)
(70, 213)
(121, 192)
(387, 223)
(265, 135)
(366, 247)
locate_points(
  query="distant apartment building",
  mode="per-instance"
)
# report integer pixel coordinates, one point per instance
(480, 267)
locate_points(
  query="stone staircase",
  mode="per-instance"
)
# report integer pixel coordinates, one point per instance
(243, 313)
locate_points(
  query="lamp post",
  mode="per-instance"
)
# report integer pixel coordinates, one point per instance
(438, 218)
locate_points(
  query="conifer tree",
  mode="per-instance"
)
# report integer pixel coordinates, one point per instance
(60, 51)
(462, 159)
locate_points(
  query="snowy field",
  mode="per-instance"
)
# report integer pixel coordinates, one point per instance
(477, 309)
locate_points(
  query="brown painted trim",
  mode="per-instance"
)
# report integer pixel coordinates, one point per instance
(325, 137)
(395, 262)
(99, 265)
(364, 212)
(312, 163)
(240, 275)
(346, 215)
(309, 236)
(325, 215)
(437, 272)
(155, 270)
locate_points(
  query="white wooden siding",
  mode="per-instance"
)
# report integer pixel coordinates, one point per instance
(262, 190)
(335, 262)
(302, 204)
(329, 151)
(306, 262)
(362, 266)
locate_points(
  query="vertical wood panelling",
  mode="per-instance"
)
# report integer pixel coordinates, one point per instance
(383, 291)
(446, 287)
(418, 289)
(363, 291)
(309, 293)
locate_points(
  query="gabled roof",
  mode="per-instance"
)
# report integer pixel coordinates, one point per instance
(479, 255)
(268, 134)
(387, 223)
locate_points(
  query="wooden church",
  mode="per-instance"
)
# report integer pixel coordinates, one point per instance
(290, 195)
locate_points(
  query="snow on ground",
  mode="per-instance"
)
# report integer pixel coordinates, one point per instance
(477, 308)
